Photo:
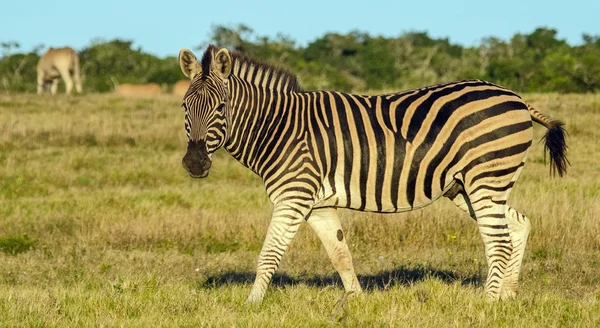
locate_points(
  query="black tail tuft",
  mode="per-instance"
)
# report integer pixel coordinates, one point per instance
(556, 145)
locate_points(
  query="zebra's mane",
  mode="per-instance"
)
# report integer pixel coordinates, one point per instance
(254, 71)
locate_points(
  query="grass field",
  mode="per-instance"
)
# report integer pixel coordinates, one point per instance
(101, 226)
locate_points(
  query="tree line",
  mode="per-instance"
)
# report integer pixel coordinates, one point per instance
(356, 61)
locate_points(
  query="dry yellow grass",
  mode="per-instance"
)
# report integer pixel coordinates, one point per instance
(100, 225)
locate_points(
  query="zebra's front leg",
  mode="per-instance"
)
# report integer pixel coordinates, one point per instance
(326, 224)
(284, 224)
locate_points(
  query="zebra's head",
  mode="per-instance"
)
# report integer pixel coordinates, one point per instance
(207, 107)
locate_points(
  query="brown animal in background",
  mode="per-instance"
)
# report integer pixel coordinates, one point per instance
(138, 89)
(128, 89)
(181, 87)
(56, 63)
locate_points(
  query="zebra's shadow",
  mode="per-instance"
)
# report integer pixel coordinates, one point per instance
(399, 276)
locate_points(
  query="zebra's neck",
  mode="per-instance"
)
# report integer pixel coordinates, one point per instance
(263, 101)
(258, 118)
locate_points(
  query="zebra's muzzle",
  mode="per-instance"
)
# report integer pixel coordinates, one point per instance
(196, 160)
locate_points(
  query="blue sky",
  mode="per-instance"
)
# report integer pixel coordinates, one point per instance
(163, 27)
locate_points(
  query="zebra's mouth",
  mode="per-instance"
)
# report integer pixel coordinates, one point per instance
(199, 176)
(196, 160)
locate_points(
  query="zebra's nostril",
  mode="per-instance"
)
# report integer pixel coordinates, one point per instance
(186, 162)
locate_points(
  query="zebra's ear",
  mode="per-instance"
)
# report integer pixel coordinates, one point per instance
(222, 63)
(188, 63)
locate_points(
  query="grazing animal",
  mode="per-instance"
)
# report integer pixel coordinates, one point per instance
(317, 151)
(181, 87)
(127, 89)
(58, 63)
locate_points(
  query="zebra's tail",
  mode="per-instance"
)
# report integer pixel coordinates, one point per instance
(554, 141)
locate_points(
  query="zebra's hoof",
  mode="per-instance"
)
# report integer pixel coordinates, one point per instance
(253, 300)
(508, 295)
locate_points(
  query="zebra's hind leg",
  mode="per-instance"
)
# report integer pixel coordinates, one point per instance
(489, 212)
(326, 224)
(459, 197)
(497, 240)
(519, 227)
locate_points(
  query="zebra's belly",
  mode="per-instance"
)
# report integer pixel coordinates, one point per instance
(355, 200)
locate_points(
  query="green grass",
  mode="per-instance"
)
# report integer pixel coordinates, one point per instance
(101, 226)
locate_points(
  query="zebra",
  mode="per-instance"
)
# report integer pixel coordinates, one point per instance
(317, 151)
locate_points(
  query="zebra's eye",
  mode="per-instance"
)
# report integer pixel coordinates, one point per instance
(220, 108)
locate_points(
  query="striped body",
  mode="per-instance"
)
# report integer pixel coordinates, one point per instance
(321, 150)
(388, 153)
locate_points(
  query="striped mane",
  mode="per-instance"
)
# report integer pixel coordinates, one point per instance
(256, 72)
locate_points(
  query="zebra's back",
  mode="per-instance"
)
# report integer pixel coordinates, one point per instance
(402, 151)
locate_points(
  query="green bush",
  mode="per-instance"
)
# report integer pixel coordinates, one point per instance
(16, 244)
(356, 61)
